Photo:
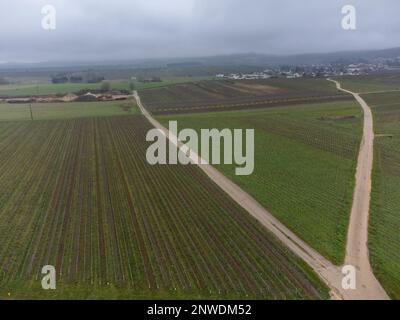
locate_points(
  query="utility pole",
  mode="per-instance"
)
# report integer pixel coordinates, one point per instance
(30, 109)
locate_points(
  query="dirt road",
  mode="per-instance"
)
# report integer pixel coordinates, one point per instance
(328, 272)
(357, 238)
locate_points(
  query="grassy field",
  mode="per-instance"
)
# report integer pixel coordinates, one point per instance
(49, 88)
(371, 83)
(305, 158)
(79, 194)
(226, 95)
(385, 211)
(60, 110)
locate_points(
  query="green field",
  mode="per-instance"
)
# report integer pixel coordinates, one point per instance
(61, 110)
(49, 88)
(304, 85)
(79, 194)
(371, 83)
(385, 209)
(228, 95)
(305, 159)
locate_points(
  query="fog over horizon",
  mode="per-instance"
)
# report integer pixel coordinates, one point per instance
(89, 30)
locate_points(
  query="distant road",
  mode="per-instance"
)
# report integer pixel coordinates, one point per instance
(357, 253)
(328, 272)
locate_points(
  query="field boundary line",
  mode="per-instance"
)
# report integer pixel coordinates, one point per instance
(379, 91)
(268, 103)
(357, 252)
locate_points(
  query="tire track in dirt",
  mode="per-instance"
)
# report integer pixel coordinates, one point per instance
(357, 253)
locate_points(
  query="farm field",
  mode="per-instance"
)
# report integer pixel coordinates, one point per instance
(63, 88)
(305, 159)
(384, 242)
(62, 110)
(371, 83)
(79, 194)
(225, 95)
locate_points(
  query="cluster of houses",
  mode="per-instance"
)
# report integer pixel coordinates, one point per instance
(240, 76)
(266, 74)
(320, 70)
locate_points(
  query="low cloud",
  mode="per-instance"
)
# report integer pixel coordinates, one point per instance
(131, 29)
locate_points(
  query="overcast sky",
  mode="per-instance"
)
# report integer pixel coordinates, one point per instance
(131, 29)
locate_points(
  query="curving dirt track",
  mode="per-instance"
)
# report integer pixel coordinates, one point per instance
(329, 273)
(357, 238)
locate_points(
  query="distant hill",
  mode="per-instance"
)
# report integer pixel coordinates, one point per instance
(243, 59)
(312, 58)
